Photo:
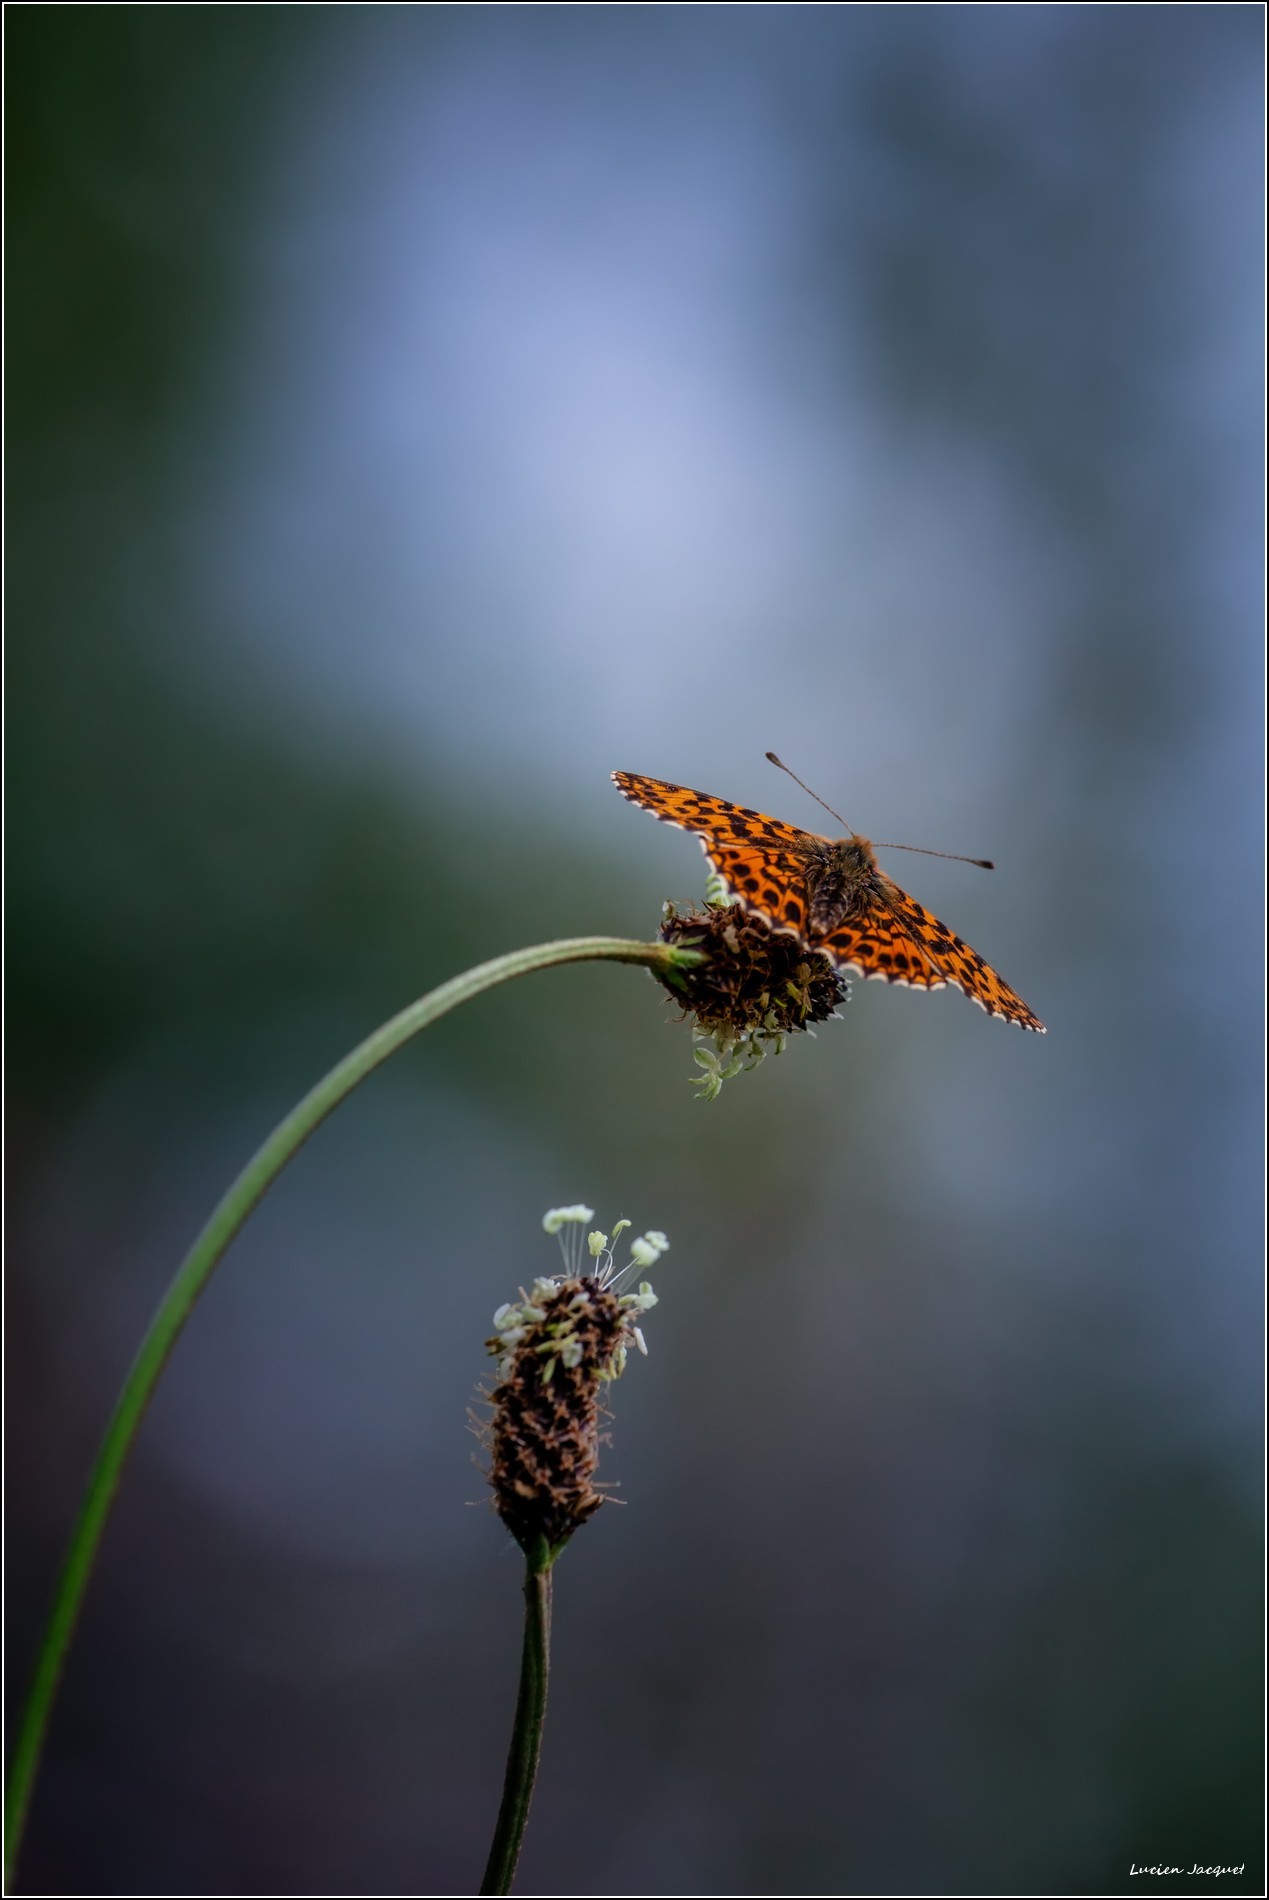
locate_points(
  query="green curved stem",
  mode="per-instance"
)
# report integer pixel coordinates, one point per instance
(526, 1730)
(192, 1276)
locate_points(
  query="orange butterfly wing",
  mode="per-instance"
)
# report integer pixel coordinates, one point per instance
(902, 942)
(760, 859)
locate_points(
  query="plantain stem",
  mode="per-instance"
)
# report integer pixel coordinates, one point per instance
(526, 1730)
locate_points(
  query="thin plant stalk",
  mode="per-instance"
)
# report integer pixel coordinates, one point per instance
(193, 1275)
(526, 1730)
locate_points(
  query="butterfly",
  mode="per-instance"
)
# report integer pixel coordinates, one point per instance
(830, 894)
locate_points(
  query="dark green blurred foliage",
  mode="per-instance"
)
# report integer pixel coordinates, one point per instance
(937, 1567)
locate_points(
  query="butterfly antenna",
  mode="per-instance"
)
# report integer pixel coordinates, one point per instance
(984, 864)
(810, 794)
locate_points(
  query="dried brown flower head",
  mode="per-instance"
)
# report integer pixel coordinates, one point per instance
(750, 989)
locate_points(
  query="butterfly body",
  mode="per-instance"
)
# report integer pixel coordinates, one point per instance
(831, 894)
(842, 880)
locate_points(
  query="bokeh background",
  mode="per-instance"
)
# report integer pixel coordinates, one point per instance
(414, 413)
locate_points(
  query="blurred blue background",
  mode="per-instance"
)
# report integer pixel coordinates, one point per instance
(415, 413)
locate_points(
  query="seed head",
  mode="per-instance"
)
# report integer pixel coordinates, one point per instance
(557, 1347)
(751, 988)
